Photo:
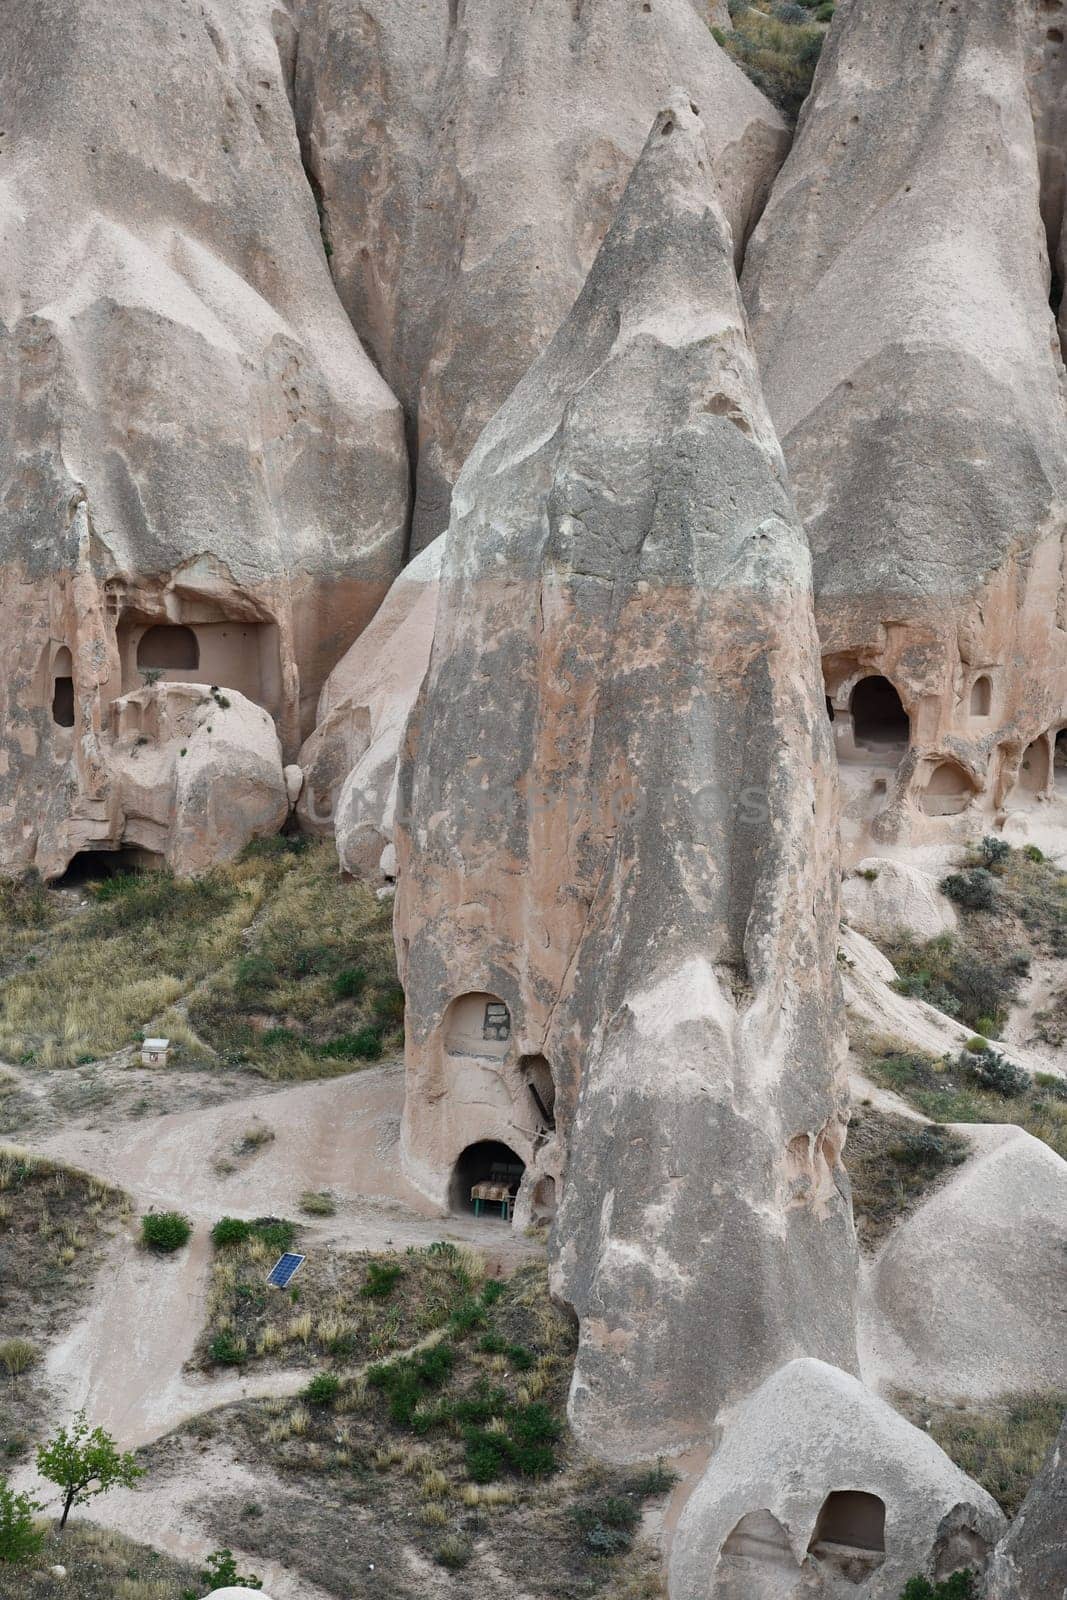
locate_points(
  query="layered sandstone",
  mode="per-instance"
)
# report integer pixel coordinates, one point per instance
(617, 912)
(193, 445)
(468, 159)
(898, 285)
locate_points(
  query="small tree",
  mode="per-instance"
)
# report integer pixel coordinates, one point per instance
(19, 1537)
(221, 1572)
(85, 1462)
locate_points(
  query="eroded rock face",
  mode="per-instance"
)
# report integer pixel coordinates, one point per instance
(884, 898)
(616, 911)
(818, 1489)
(1030, 1563)
(898, 285)
(192, 439)
(350, 761)
(469, 158)
(966, 1295)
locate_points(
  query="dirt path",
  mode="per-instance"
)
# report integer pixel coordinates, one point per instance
(124, 1359)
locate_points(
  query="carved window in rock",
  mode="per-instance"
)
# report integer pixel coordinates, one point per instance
(849, 1536)
(981, 697)
(63, 689)
(496, 1025)
(170, 647)
(948, 792)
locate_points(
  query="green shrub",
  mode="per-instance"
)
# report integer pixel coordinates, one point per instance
(16, 1356)
(994, 852)
(165, 1230)
(382, 1278)
(254, 972)
(220, 1571)
(275, 1232)
(20, 1538)
(959, 1587)
(990, 1070)
(366, 1045)
(1032, 853)
(350, 984)
(930, 1148)
(322, 1390)
(228, 1350)
(318, 1203)
(974, 890)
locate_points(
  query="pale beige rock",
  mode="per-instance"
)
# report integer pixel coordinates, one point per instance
(898, 285)
(882, 898)
(191, 780)
(811, 1475)
(616, 905)
(966, 1295)
(192, 435)
(294, 782)
(469, 158)
(350, 761)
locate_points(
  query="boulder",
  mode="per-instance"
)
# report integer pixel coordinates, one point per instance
(195, 776)
(1030, 1563)
(898, 287)
(617, 892)
(816, 1490)
(884, 898)
(202, 475)
(234, 1594)
(468, 161)
(966, 1295)
(350, 761)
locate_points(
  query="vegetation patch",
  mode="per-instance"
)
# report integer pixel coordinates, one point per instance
(953, 974)
(100, 1565)
(165, 1231)
(1002, 1444)
(344, 1310)
(270, 962)
(893, 1164)
(453, 1455)
(777, 45)
(958, 1088)
(54, 1224)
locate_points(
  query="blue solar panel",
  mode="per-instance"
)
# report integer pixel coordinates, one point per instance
(283, 1269)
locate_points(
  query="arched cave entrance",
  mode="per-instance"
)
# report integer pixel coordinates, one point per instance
(981, 697)
(94, 866)
(169, 647)
(488, 1164)
(63, 689)
(948, 792)
(1059, 759)
(878, 716)
(1033, 769)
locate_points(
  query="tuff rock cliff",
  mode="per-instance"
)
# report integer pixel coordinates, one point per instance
(616, 837)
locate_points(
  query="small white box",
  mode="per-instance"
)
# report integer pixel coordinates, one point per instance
(154, 1052)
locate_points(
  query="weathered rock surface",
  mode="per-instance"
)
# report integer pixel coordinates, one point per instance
(966, 1295)
(350, 761)
(617, 860)
(469, 159)
(191, 435)
(898, 285)
(195, 777)
(882, 898)
(1030, 1563)
(818, 1489)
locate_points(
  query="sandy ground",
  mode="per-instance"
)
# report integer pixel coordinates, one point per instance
(124, 1359)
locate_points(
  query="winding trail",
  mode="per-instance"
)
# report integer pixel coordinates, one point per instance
(124, 1359)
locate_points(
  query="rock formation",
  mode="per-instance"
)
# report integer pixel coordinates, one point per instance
(201, 474)
(1030, 1563)
(468, 159)
(966, 1295)
(350, 761)
(816, 1490)
(898, 285)
(884, 898)
(616, 912)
